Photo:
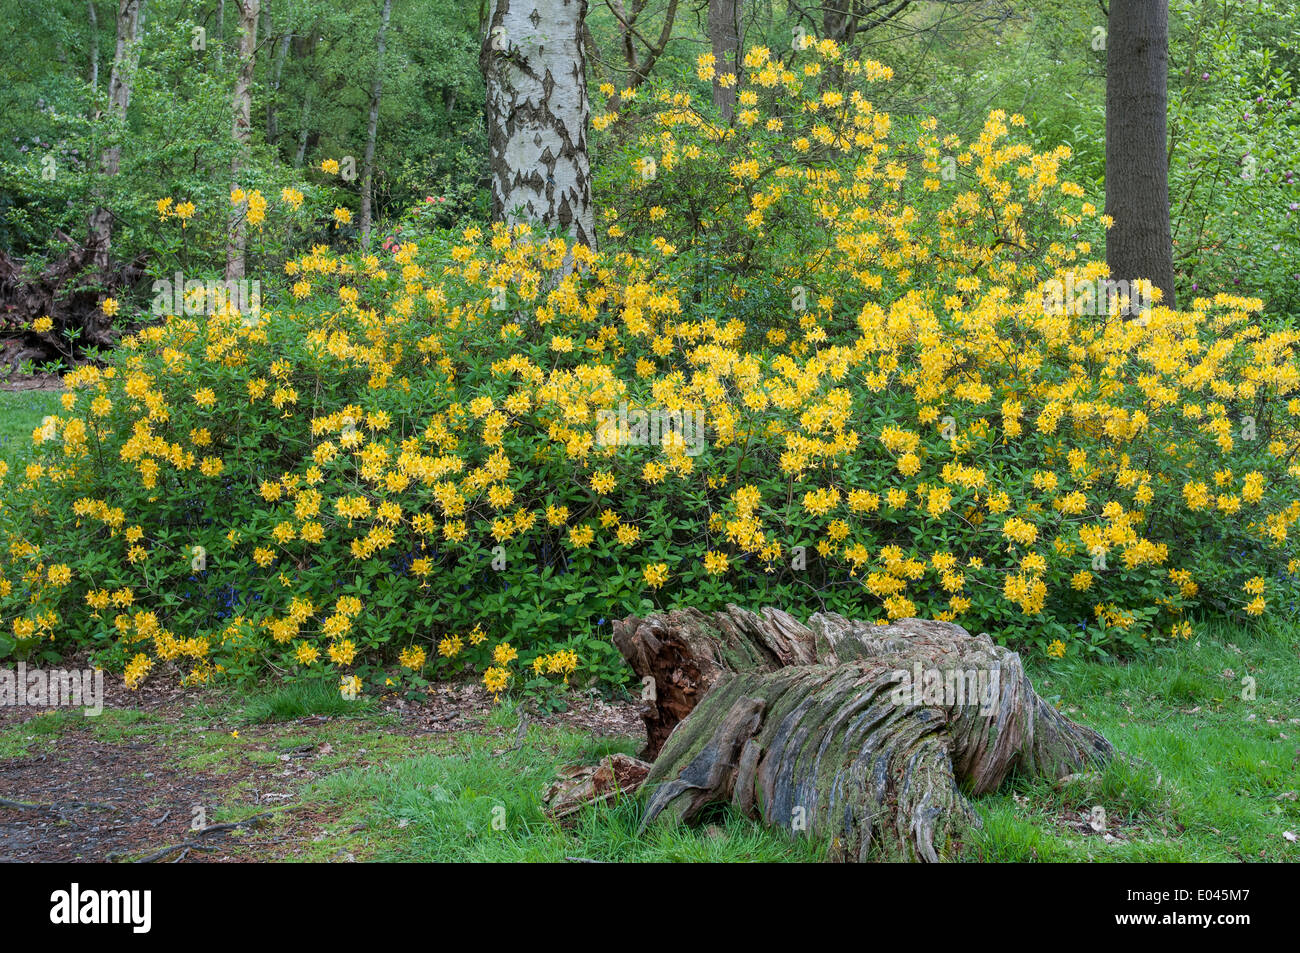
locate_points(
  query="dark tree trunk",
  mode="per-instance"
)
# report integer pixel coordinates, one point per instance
(627, 22)
(534, 65)
(868, 737)
(304, 129)
(305, 49)
(277, 73)
(724, 38)
(1139, 245)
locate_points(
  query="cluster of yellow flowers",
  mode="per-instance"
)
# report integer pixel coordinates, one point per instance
(255, 203)
(170, 208)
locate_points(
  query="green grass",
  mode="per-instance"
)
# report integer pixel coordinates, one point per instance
(301, 699)
(21, 412)
(481, 801)
(1208, 776)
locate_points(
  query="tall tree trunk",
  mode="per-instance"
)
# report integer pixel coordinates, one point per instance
(840, 20)
(221, 33)
(305, 49)
(276, 71)
(241, 128)
(376, 90)
(304, 126)
(272, 106)
(94, 51)
(1139, 245)
(626, 22)
(126, 58)
(534, 64)
(724, 37)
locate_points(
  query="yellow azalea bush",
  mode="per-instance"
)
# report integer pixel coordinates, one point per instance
(433, 461)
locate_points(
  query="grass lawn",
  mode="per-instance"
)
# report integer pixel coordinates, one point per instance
(1207, 775)
(21, 413)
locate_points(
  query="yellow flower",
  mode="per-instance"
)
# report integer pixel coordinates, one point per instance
(342, 652)
(655, 575)
(496, 679)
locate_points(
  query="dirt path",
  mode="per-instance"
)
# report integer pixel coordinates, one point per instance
(130, 786)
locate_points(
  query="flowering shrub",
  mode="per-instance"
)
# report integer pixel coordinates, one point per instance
(418, 464)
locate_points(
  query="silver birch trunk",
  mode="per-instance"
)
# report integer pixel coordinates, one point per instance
(241, 129)
(94, 50)
(534, 63)
(372, 127)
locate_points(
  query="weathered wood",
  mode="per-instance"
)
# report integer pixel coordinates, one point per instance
(867, 736)
(583, 785)
(685, 651)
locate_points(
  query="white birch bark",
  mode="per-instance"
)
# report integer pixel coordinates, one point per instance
(534, 64)
(241, 129)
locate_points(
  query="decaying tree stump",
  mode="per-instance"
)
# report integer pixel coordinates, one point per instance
(865, 735)
(70, 291)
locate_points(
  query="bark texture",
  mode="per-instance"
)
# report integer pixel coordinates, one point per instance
(1140, 244)
(583, 785)
(724, 38)
(126, 58)
(866, 736)
(277, 74)
(628, 21)
(534, 66)
(93, 78)
(372, 125)
(241, 129)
